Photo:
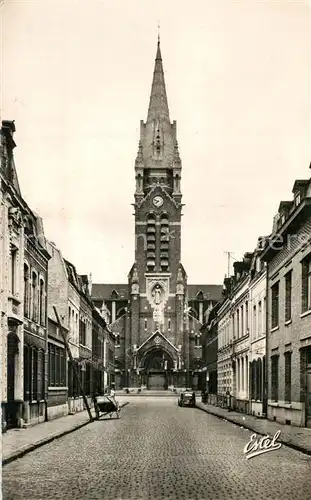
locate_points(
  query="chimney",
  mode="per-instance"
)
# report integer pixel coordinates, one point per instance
(275, 223)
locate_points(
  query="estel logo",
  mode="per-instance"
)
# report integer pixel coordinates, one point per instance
(257, 446)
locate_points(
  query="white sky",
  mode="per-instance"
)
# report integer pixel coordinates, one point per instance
(76, 78)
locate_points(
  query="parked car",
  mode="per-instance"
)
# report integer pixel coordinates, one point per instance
(186, 399)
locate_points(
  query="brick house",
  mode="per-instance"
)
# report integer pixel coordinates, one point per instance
(103, 372)
(58, 291)
(288, 257)
(209, 341)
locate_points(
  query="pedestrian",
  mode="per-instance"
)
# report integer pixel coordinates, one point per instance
(193, 397)
(228, 400)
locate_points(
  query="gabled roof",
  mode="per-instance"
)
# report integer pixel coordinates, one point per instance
(300, 184)
(157, 333)
(284, 205)
(8, 168)
(104, 291)
(210, 292)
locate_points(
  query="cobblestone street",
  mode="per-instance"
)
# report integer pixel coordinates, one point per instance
(157, 451)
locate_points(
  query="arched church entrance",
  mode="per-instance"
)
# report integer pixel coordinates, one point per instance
(158, 366)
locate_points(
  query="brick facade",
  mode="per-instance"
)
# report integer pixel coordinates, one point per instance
(289, 339)
(159, 330)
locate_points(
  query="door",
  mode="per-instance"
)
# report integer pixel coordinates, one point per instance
(156, 381)
(308, 398)
(12, 407)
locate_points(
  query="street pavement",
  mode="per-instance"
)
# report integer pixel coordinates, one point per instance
(157, 450)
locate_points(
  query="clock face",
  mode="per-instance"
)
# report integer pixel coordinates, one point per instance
(158, 201)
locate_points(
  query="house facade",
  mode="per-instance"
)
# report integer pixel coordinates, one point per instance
(257, 336)
(58, 296)
(288, 257)
(23, 299)
(12, 284)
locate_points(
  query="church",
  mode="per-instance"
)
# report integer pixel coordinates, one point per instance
(157, 315)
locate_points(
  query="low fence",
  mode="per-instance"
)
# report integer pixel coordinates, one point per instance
(229, 402)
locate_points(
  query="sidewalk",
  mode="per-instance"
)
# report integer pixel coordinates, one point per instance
(298, 438)
(17, 442)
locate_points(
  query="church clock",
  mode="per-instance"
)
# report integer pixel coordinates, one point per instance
(158, 201)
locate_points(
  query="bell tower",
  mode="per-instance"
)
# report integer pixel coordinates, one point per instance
(157, 278)
(157, 196)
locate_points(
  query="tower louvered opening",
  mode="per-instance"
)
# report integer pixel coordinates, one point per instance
(151, 242)
(164, 243)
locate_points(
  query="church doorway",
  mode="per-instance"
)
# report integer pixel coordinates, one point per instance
(157, 381)
(158, 366)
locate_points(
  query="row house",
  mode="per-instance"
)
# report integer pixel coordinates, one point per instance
(85, 335)
(200, 302)
(36, 259)
(37, 377)
(58, 296)
(24, 275)
(209, 331)
(110, 359)
(230, 325)
(12, 284)
(234, 337)
(99, 352)
(240, 332)
(80, 338)
(288, 259)
(85, 328)
(257, 337)
(224, 353)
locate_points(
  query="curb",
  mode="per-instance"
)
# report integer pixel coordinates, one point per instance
(246, 426)
(38, 444)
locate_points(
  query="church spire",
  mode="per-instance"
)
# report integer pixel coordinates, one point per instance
(158, 107)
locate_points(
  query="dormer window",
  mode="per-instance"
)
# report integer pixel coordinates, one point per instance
(297, 199)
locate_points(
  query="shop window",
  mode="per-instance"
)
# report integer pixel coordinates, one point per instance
(57, 366)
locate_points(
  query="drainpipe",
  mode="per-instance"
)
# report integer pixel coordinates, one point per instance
(266, 379)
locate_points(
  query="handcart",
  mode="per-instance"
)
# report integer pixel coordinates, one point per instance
(106, 405)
